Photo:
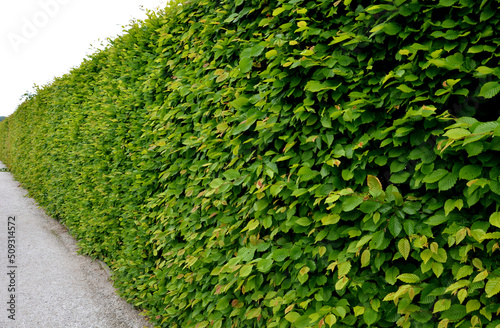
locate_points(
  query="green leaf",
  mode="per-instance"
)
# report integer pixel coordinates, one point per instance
(404, 248)
(447, 182)
(256, 50)
(280, 255)
(341, 283)
(374, 185)
(495, 219)
(474, 149)
(447, 3)
(391, 28)
(470, 172)
(457, 133)
(457, 285)
(347, 175)
(292, 317)
(395, 226)
(480, 276)
(485, 70)
(409, 278)
(486, 127)
(246, 64)
(303, 278)
(489, 90)
(435, 176)
(370, 316)
(363, 240)
(426, 255)
(330, 320)
(254, 313)
(496, 133)
(271, 53)
(246, 270)
(473, 305)
(344, 268)
(260, 205)
(299, 192)
(400, 177)
(306, 174)
(437, 268)
(222, 304)
(264, 265)
(252, 225)
(409, 225)
(378, 8)
(464, 271)
(405, 88)
(369, 206)
(330, 219)
(365, 258)
(391, 275)
(239, 102)
(437, 219)
(278, 11)
(314, 86)
(451, 204)
(442, 305)
(440, 256)
(303, 221)
(455, 313)
(231, 174)
(216, 183)
(351, 202)
(486, 14)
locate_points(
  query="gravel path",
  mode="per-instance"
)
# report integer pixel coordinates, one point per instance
(51, 284)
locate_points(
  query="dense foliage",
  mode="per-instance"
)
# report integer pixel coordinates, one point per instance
(248, 163)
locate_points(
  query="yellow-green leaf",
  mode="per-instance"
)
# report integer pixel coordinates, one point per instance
(358, 310)
(495, 219)
(292, 316)
(473, 305)
(341, 283)
(462, 294)
(441, 305)
(481, 276)
(437, 268)
(246, 270)
(344, 268)
(271, 53)
(464, 271)
(374, 185)
(409, 278)
(492, 287)
(278, 11)
(330, 219)
(330, 319)
(302, 24)
(404, 248)
(458, 133)
(457, 285)
(365, 258)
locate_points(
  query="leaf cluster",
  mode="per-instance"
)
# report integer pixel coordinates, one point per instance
(321, 163)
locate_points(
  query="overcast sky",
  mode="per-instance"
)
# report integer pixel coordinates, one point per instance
(43, 39)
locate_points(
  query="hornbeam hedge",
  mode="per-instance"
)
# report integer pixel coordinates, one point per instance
(282, 163)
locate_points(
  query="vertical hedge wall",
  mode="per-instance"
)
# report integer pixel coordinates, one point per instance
(282, 163)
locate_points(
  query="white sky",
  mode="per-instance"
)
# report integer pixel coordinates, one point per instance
(43, 39)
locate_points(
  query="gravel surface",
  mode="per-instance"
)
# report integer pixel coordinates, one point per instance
(54, 286)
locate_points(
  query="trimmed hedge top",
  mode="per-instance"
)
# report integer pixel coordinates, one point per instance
(283, 163)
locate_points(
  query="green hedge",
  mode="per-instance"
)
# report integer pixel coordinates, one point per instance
(282, 163)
